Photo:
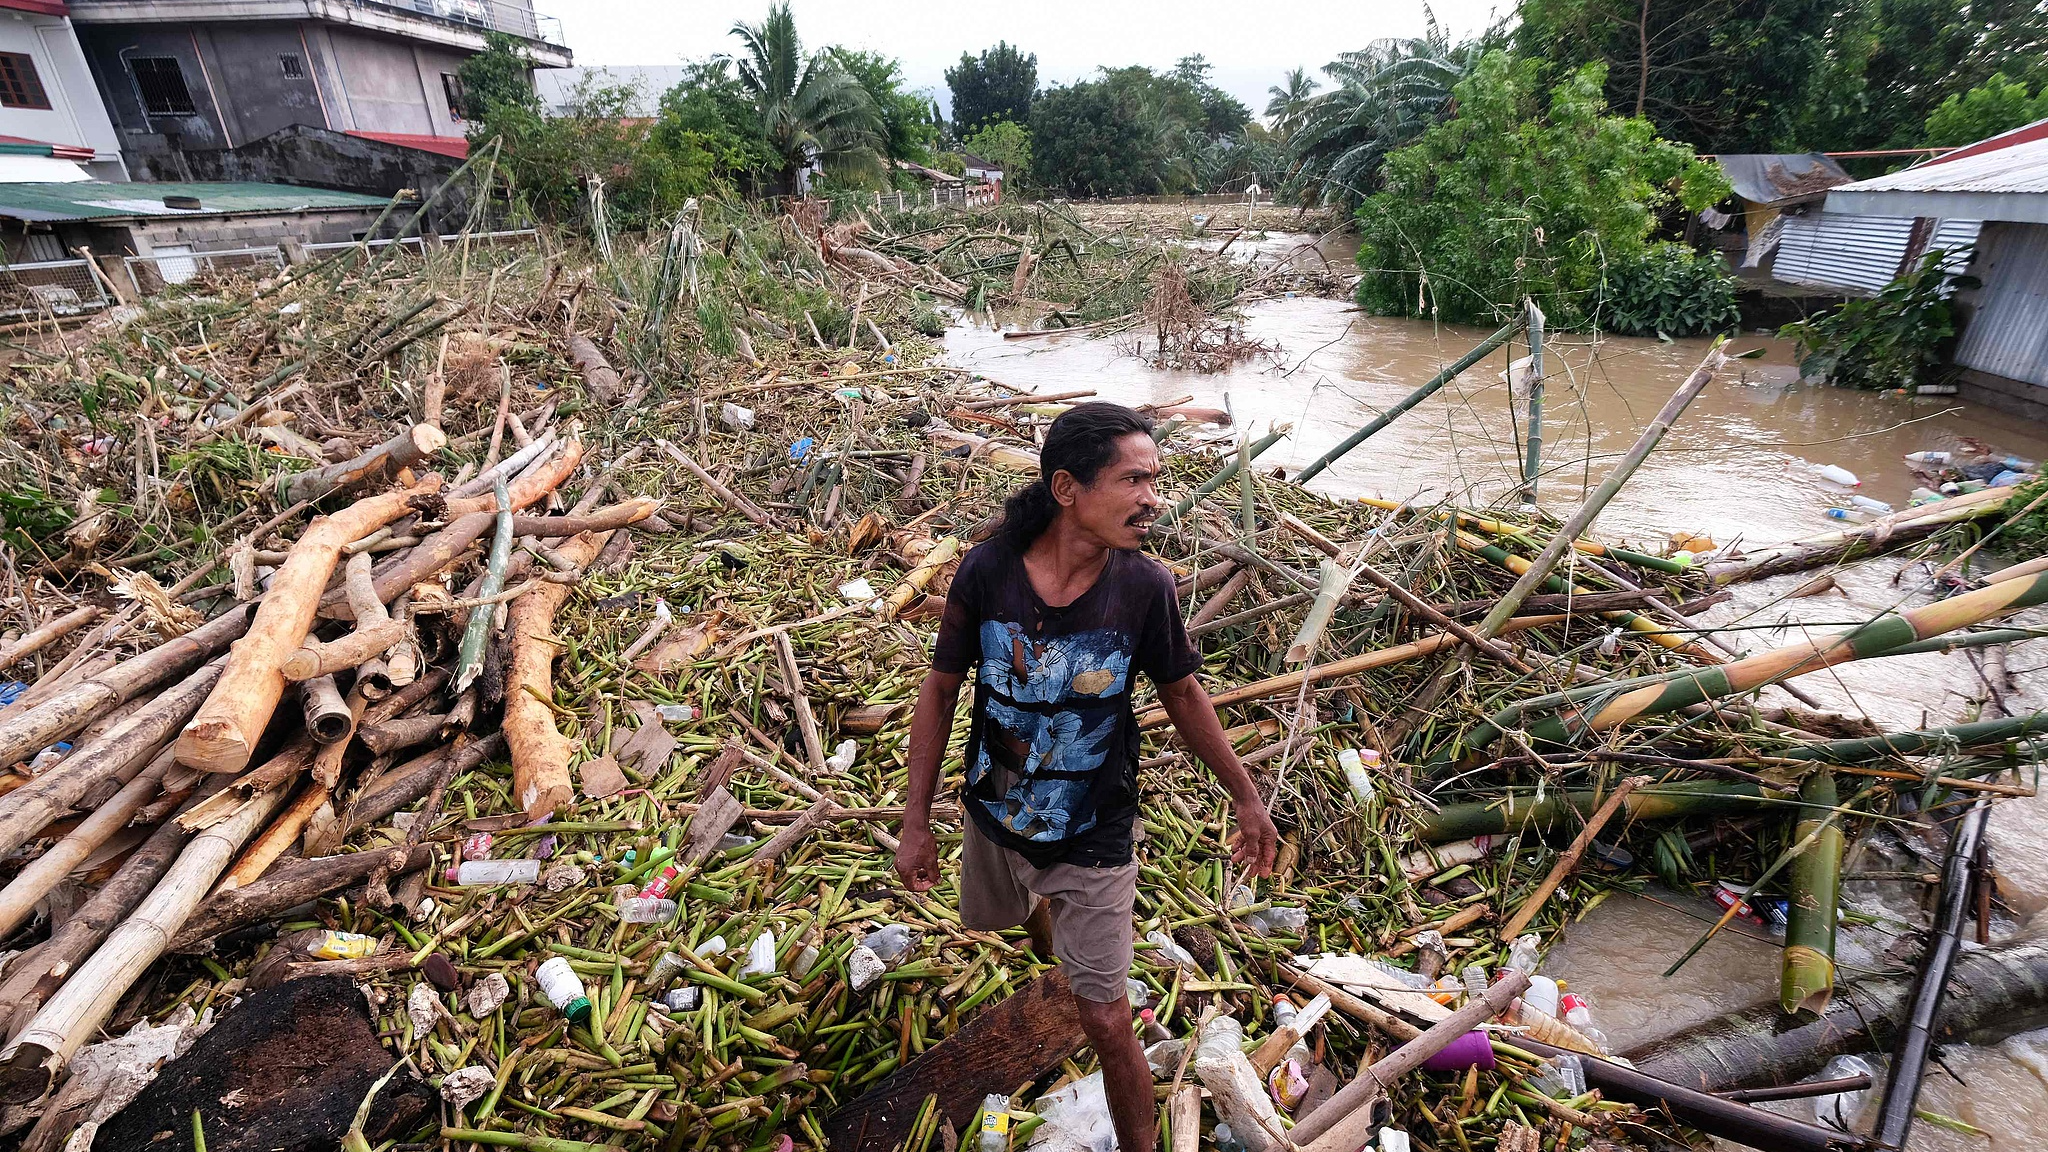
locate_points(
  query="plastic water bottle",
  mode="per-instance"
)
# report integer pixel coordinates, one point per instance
(995, 1123)
(1153, 1031)
(564, 989)
(1579, 1015)
(1573, 1072)
(1929, 457)
(1404, 977)
(1836, 474)
(494, 872)
(1357, 766)
(890, 943)
(1522, 953)
(1869, 504)
(1850, 515)
(760, 957)
(1540, 997)
(647, 910)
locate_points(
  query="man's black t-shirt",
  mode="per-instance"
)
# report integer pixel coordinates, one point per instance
(1052, 753)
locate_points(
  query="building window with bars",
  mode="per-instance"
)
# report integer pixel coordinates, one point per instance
(294, 67)
(161, 82)
(20, 87)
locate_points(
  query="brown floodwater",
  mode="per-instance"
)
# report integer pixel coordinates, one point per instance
(1738, 467)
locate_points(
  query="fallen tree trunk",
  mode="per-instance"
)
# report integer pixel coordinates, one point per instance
(223, 736)
(540, 753)
(1902, 528)
(412, 781)
(1993, 993)
(289, 885)
(599, 377)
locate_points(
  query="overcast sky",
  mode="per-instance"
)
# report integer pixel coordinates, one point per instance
(1250, 42)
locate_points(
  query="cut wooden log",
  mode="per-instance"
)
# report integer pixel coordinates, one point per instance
(530, 486)
(68, 1019)
(398, 735)
(410, 447)
(328, 718)
(289, 885)
(222, 737)
(540, 753)
(326, 657)
(282, 833)
(25, 811)
(1015, 1042)
(600, 379)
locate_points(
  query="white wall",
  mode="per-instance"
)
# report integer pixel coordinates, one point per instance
(75, 115)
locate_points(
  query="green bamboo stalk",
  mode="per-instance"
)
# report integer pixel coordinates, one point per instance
(1519, 810)
(1921, 740)
(1215, 482)
(1478, 353)
(1597, 501)
(1533, 465)
(469, 658)
(1808, 980)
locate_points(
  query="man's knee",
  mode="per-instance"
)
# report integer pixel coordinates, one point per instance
(1102, 1021)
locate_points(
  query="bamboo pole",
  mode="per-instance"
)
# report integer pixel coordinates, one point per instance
(540, 753)
(40, 638)
(1895, 531)
(1650, 630)
(1532, 464)
(25, 811)
(1155, 716)
(1597, 501)
(1343, 1123)
(1223, 476)
(1570, 859)
(223, 736)
(1631, 699)
(918, 578)
(1807, 980)
(1977, 734)
(37, 878)
(23, 733)
(1491, 527)
(280, 835)
(1517, 810)
(1478, 353)
(72, 1016)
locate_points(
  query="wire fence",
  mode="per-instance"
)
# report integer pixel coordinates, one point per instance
(939, 195)
(154, 273)
(50, 287)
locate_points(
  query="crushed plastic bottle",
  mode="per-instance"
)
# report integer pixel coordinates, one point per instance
(806, 959)
(684, 999)
(678, 713)
(1574, 1073)
(842, 757)
(1522, 956)
(1402, 976)
(1430, 954)
(1267, 921)
(494, 872)
(666, 968)
(1163, 1056)
(1475, 979)
(1842, 1109)
(890, 943)
(1136, 992)
(1170, 951)
(1076, 1118)
(995, 1124)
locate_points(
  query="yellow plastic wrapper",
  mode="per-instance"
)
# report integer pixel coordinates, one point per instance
(344, 946)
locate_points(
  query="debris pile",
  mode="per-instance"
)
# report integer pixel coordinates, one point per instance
(554, 679)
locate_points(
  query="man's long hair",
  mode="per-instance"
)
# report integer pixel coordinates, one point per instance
(1080, 443)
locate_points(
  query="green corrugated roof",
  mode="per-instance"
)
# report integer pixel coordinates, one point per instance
(97, 200)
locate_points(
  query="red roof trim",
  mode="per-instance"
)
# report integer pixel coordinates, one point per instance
(2026, 135)
(40, 7)
(452, 146)
(60, 151)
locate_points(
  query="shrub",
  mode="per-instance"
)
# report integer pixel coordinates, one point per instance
(1670, 290)
(1893, 340)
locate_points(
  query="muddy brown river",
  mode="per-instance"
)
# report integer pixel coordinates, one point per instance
(1738, 467)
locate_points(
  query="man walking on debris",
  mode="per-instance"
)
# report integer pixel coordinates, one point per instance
(1056, 613)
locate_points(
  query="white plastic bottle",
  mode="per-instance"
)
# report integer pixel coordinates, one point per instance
(495, 872)
(1541, 996)
(1522, 953)
(1836, 474)
(1475, 979)
(564, 989)
(647, 910)
(1868, 503)
(1579, 1015)
(1929, 457)
(1358, 766)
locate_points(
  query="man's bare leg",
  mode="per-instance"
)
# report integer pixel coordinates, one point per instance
(1039, 927)
(1126, 1078)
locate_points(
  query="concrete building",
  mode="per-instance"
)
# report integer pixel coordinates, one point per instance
(188, 80)
(2003, 182)
(47, 98)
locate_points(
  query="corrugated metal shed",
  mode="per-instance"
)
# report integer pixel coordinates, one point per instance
(2010, 183)
(2007, 334)
(1858, 254)
(98, 200)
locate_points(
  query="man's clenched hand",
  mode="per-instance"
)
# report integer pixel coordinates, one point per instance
(917, 856)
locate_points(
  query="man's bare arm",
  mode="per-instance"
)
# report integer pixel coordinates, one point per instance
(1194, 717)
(931, 726)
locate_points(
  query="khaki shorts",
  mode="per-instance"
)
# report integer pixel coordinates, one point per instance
(1091, 909)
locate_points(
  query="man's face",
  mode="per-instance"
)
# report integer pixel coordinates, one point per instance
(1117, 509)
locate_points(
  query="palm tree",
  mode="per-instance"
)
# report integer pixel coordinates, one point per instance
(811, 109)
(1289, 100)
(1386, 95)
